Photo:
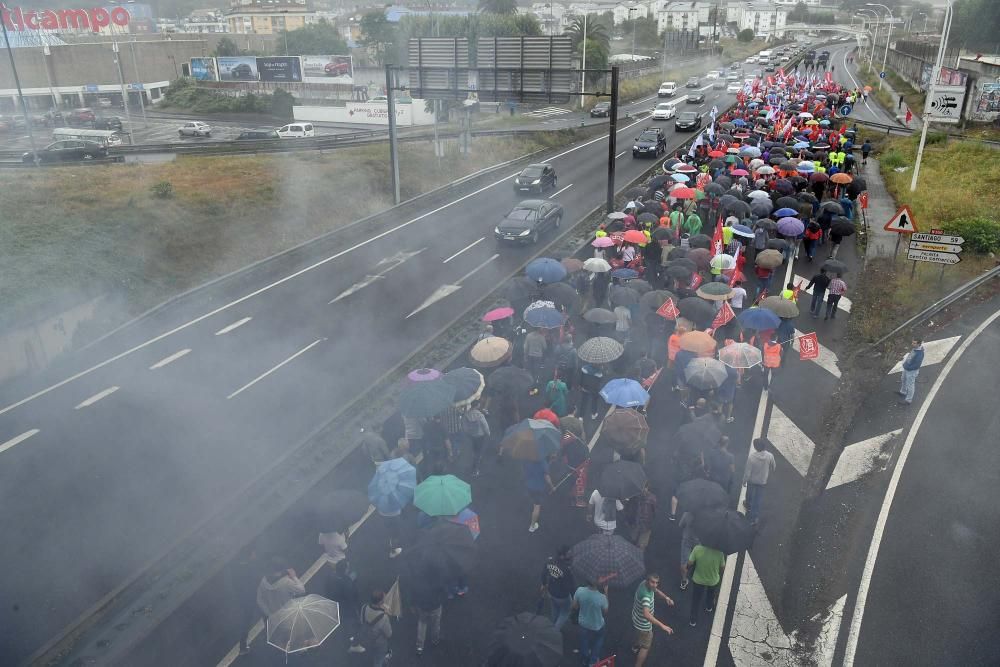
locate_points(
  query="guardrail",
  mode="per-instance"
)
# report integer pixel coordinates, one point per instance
(906, 131)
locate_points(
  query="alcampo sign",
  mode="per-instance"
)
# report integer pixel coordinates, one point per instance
(92, 19)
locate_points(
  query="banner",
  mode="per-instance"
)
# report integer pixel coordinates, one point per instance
(724, 316)
(242, 68)
(809, 346)
(668, 310)
(328, 69)
(280, 68)
(717, 238)
(203, 69)
(696, 281)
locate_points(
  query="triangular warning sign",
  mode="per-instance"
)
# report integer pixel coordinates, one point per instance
(902, 222)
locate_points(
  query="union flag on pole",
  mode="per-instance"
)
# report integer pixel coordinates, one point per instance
(809, 346)
(717, 238)
(696, 281)
(724, 316)
(736, 271)
(668, 310)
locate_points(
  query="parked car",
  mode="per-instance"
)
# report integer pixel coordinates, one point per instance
(242, 71)
(696, 98)
(535, 178)
(104, 102)
(693, 82)
(337, 69)
(82, 116)
(601, 110)
(651, 143)
(296, 131)
(260, 133)
(667, 89)
(108, 123)
(664, 111)
(734, 87)
(70, 150)
(54, 118)
(526, 221)
(687, 120)
(194, 128)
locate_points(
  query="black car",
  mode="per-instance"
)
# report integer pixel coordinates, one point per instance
(696, 98)
(528, 220)
(263, 133)
(687, 120)
(242, 71)
(651, 143)
(693, 82)
(601, 110)
(535, 178)
(769, 68)
(108, 123)
(68, 150)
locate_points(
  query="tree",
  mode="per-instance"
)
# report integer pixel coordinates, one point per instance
(977, 22)
(320, 38)
(745, 35)
(646, 33)
(597, 58)
(226, 47)
(498, 6)
(377, 34)
(799, 14)
(596, 31)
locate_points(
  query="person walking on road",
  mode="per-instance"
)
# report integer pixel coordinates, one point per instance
(604, 512)
(688, 542)
(818, 284)
(376, 629)
(593, 611)
(428, 603)
(641, 510)
(558, 585)
(477, 430)
(866, 148)
(836, 290)
(705, 565)
(535, 347)
(911, 368)
(539, 485)
(341, 587)
(772, 359)
(760, 465)
(644, 617)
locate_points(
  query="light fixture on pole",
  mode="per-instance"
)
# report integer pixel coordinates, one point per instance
(583, 67)
(17, 83)
(935, 74)
(871, 56)
(888, 36)
(630, 10)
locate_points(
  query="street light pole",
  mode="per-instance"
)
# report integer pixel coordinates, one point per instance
(630, 10)
(945, 32)
(888, 37)
(871, 56)
(20, 94)
(583, 68)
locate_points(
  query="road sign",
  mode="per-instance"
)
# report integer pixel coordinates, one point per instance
(946, 105)
(935, 247)
(902, 222)
(846, 110)
(931, 256)
(881, 75)
(936, 236)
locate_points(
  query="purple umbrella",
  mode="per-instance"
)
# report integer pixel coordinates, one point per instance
(790, 226)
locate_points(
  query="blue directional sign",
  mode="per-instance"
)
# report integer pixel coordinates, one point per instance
(846, 110)
(881, 75)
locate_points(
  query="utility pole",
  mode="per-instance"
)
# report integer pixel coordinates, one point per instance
(20, 93)
(634, 23)
(393, 148)
(121, 81)
(612, 138)
(945, 32)
(142, 88)
(888, 36)
(583, 73)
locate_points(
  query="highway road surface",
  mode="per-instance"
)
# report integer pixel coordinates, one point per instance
(117, 453)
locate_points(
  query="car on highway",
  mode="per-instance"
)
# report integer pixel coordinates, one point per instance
(242, 71)
(687, 120)
(650, 143)
(769, 68)
(195, 128)
(713, 75)
(536, 178)
(734, 87)
(693, 82)
(108, 123)
(259, 133)
(719, 84)
(733, 76)
(296, 131)
(82, 116)
(664, 111)
(337, 69)
(527, 220)
(751, 60)
(696, 98)
(667, 89)
(601, 110)
(69, 150)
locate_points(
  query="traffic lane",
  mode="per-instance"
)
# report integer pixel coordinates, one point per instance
(869, 110)
(933, 590)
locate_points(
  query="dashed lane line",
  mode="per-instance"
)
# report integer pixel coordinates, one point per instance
(171, 359)
(235, 325)
(96, 397)
(18, 439)
(265, 374)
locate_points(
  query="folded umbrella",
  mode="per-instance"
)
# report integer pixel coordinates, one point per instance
(469, 384)
(743, 355)
(302, 623)
(780, 306)
(758, 319)
(602, 316)
(626, 429)
(490, 351)
(392, 487)
(622, 480)
(426, 399)
(725, 530)
(705, 373)
(624, 393)
(531, 440)
(600, 350)
(700, 494)
(442, 495)
(525, 640)
(608, 559)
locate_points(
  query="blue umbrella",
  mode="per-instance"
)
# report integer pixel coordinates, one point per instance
(802, 144)
(391, 489)
(625, 393)
(625, 273)
(544, 318)
(806, 167)
(546, 270)
(758, 319)
(786, 212)
(790, 226)
(680, 178)
(739, 122)
(743, 230)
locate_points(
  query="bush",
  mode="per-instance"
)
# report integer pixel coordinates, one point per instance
(281, 104)
(936, 138)
(892, 159)
(981, 234)
(745, 35)
(186, 94)
(162, 189)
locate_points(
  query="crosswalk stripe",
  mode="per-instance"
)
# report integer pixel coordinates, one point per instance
(844, 304)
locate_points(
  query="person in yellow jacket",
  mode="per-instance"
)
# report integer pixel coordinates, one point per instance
(789, 292)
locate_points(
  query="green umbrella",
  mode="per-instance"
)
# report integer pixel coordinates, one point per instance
(442, 495)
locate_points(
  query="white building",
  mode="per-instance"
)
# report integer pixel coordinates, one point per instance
(765, 19)
(629, 11)
(679, 16)
(792, 3)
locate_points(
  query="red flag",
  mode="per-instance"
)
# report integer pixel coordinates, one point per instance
(809, 346)
(724, 316)
(760, 297)
(909, 116)
(695, 281)
(717, 238)
(736, 272)
(668, 310)
(796, 290)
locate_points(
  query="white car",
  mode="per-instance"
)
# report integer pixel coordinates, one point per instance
(667, 89)
(751, 60)
(664, 111)
(296, 131)
(713, 75)
(195, 128)
(734, 87)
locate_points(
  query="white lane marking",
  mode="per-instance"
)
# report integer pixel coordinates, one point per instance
(234, 325)
(18, 439)
(620, 154)
(471, 245)
(558, 192)
(844, 304)
(291, 276)
(96, 397)
(447, 290)
(794, 445)
(172, 358)
(856, 84)
(934, 352)
(883, 516)
(860, 459)
(826, 360)
(726, 588)
(387, 264)
(264, 375)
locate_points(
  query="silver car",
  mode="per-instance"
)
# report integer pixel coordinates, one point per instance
(195, 128)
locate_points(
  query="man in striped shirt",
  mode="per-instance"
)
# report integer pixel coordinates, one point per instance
(834, 292)
(643, 619)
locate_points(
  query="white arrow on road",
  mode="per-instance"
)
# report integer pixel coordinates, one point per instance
(790, 441)
(387, 264)
(445, 290)
(861, 458)
(934, 352)
(756, 637)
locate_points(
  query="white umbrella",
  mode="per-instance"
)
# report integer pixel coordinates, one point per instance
(303, 623)
(759, 194)
(616, 215)
(805, 114)
(596, 265)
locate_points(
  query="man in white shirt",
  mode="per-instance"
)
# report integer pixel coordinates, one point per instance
(738, 297)
(603, 513)
(760, 465)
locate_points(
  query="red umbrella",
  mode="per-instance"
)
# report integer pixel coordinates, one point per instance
(716, 154)
(682, 193)
(635, 236)
(498, 314)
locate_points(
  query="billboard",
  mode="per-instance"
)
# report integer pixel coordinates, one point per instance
(203, 69)
(988, 104)
(242, 68)
(328, 69)
(280, 68)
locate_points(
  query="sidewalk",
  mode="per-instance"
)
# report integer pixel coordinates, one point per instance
(881, 208)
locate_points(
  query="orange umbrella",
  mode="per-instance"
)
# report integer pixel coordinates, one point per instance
(682, 193)
(698, 342)
(868, 89)
(635, 236)
(841, 178)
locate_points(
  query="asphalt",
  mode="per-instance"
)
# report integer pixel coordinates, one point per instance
(102, 489)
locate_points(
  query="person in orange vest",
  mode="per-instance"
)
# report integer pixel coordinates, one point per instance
(673, 346)
(772, 359)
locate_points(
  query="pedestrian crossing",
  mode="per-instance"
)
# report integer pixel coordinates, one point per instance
(546, 112)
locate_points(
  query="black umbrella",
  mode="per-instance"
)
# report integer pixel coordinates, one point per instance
(700, 241)
(724, 181)
(679, 271)
(700, 494)
(600, 316)
(699, 435)
(620, 295)
(608, 559)
(525, 640)
(426, 399)
(657, 181)
(714, 189)
(807, 196)
(697, 310)
(622, 480)
(716, 164)
(614, 226)
(738, 208)
(669, 164)
(654, 299)
(725, 530)
(443, 551)
(727, 200)
(510, 381)
(686, 262)
(777, 244)
(784, 186)
(835, 266)
(676, 253)
(632, 193)
(833, 207)
(562, 294)
(842, 227)
(468, 383)
(787, 201)
(653, 208)
(648, 217)
(639, 285)
(725, 137)
(776, 159)
(662, 234)
(521, 288)
(761, 207)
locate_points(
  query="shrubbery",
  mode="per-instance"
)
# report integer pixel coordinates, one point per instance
(185, 93)
(981, 234)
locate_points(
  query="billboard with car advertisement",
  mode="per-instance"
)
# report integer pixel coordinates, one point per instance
(280, 68)
(203, 69)
(242, 68)
(328, 69)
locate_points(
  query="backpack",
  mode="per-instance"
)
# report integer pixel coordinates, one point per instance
(367, 635)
